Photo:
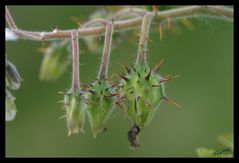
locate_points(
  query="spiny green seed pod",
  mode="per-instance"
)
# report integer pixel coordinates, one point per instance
(12, 78)
(75, 107)
(10, 106)
(100, 99)
(56, 60)
(141, 93)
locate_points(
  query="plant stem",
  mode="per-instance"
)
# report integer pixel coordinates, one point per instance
(142, 49)
(129, 24)
(75, 61)
(106, 51)
(9, 19)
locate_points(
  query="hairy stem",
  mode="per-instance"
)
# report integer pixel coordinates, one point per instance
(106, 51)
(131, 23)
(75, 60)
(142, 50)
(9, 19)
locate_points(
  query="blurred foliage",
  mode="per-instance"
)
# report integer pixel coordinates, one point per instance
(56, 59)
(13, 82)
(10, 106)
(12, 77)
(226, 140)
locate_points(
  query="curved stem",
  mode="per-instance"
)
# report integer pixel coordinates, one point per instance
(75, 60)
(142, 50)
(129, 23)
(103, 72)
(221, 10)
(9, 19)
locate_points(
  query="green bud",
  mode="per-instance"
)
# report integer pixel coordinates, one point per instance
(56, 60)
(142, 94)
(10, 106)
(75, 111)
(100, 99)
(12, 78)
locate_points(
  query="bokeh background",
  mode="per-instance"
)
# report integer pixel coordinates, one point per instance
(202, 55)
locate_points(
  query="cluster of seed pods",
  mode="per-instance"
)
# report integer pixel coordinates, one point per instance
(96, 100)
(138, 94)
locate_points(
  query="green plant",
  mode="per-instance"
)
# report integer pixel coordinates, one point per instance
(226, 141)
(141, 89)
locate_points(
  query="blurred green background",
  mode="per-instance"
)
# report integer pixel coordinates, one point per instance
(202, 56)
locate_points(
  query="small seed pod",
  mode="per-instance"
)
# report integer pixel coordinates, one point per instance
(100, 99)
(142, 93)
(56, 60)
(75, 106)
(10, 106)
(13, 79)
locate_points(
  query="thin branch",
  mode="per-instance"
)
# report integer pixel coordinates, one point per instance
(75, 61)
(221, 11)
(141, 56)
(106, 52)
(9, 19)
(129, 24)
